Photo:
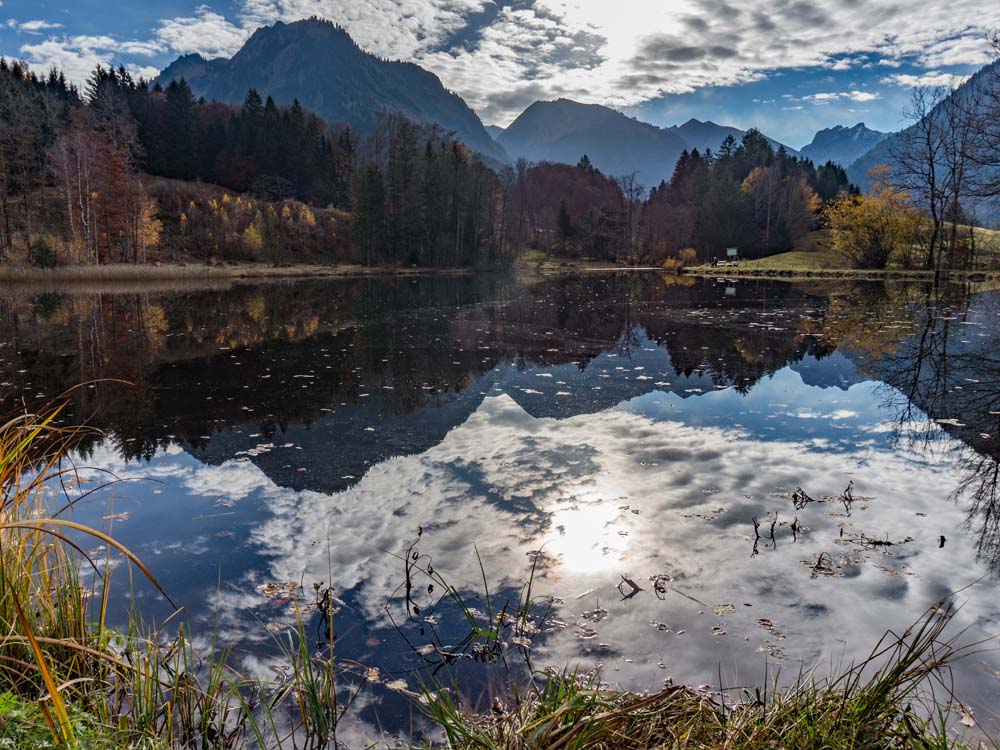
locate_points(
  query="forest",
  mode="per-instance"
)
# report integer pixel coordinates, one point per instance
(126, 171)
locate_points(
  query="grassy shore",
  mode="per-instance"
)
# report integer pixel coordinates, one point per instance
(814, 257)
(197, 272)
(69, 680)
(794, 268)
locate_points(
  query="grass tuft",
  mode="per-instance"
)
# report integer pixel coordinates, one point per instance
(867, 708)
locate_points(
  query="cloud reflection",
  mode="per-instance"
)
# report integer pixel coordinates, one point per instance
(660, 485)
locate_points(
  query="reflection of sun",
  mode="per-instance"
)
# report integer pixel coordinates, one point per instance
(585, 536)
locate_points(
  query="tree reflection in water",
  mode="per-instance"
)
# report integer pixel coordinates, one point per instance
(204, 362)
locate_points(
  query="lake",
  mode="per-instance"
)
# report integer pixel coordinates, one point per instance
(706, 481)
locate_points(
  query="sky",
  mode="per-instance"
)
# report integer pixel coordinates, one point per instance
(789, 67)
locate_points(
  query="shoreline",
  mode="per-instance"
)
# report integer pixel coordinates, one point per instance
(848, 274)
(202, 272)
(184, 274)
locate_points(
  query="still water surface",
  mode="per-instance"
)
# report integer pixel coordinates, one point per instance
(599, 427)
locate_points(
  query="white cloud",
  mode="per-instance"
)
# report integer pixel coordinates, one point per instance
(822, 98)
(931, 78)
(835, 96)
(33, 27)
(148, 72)
(76, 56)
(689, 44)
(968, 49)
(143, 49)
(206, 33)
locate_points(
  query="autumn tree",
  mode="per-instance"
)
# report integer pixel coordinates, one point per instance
(869, 230)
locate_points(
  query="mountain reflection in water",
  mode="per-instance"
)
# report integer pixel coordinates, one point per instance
(606, 425)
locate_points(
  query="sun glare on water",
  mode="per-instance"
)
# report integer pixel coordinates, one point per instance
(588, 535)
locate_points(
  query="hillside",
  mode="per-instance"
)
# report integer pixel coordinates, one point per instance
(318, 64)
(882, 152)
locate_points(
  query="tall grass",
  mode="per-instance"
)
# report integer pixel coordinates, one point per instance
(68, 678)
(93, 686)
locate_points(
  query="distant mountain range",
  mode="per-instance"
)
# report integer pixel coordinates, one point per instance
(708, 135)
(319, 64)
(563, 130)
(842, 145)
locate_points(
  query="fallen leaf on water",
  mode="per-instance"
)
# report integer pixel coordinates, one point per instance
(771, 628)
(967, 719)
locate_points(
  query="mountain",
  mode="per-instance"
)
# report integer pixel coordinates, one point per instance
(195, 69)
(709, 135)
(842, 145)
(319, 64)
(882, 152)
(494, 131)
(564, 130)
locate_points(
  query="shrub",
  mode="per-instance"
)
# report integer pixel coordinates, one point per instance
(42, 252)
(688, 256)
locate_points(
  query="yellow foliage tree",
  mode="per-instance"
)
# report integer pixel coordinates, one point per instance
(150, 227)
(870, 229)
(252, 239)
